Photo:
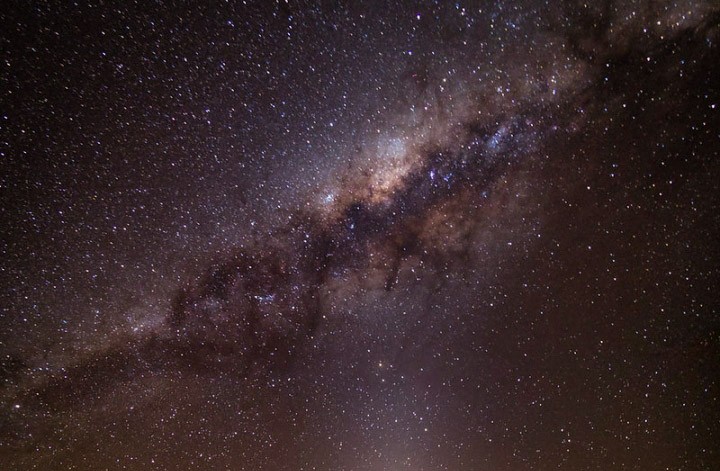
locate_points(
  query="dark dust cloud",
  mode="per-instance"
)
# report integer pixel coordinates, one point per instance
(308, 236)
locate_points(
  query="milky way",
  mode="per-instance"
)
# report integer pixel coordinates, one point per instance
(301, 236)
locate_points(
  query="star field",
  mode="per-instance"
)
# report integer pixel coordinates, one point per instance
(308, 236)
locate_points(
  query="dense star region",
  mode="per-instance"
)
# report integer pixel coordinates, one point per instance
(307, 236)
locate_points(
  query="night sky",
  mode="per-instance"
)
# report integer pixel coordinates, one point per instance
(286, 235)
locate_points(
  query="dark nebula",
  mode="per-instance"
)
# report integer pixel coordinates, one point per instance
(295, 236)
